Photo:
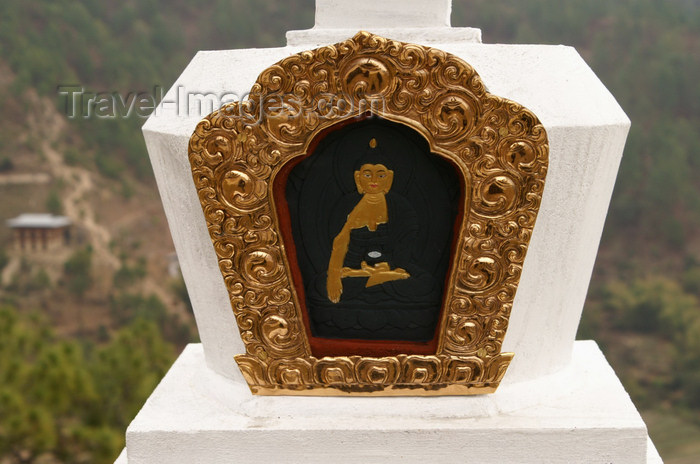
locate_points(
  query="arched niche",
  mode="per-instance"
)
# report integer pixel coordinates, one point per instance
(315, 197)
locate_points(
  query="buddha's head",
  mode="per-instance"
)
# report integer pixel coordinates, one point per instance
(373, 179)
(373, 176)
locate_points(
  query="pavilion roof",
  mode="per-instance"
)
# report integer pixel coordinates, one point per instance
(38, 221)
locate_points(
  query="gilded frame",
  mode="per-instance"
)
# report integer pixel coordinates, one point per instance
(499, 148)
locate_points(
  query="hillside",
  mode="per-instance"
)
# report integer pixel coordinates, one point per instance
(644, 301)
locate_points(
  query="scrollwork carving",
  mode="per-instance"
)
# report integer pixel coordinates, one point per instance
(499, 147)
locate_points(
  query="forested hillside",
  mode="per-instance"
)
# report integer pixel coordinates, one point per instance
(61, 389)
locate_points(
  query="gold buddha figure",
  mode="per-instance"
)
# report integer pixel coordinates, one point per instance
(373, 182)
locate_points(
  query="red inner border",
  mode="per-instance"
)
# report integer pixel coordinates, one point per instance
(321, 347)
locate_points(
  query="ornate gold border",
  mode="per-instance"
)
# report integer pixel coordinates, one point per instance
(499, 147)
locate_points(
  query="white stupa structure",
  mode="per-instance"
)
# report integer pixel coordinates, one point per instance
(559, 402)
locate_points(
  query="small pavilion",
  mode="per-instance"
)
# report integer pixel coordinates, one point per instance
(40, 231)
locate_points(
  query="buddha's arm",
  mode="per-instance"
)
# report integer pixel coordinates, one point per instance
(382, 272)
(348, 272)
(334, 284)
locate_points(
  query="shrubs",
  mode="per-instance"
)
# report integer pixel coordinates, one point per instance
(53, 202)
(127, 307)
(660, 306)
(6, 164)
(69, 401)
(78, 271)
(650, 305)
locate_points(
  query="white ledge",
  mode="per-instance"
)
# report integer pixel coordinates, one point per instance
(580, 415)
(317, 37)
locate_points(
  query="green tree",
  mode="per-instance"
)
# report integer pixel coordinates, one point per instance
(128, 274)
(651, 305)
(65, 401)
(660, 306)
(6, 164)
(41, 380)
(688, 363)
(128, 369)
(53, 203)
(4, 259)
(128, 307)
(77, 271)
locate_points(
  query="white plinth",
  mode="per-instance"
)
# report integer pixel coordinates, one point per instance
(580, 415)
(420, 21)
(360, 14)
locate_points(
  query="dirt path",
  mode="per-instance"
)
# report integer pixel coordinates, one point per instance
(76, 203)
(10, 269)
(78, 207)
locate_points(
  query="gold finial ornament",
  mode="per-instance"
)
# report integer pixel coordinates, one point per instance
(498, 148)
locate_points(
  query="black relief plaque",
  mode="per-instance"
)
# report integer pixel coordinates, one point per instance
(411, 240)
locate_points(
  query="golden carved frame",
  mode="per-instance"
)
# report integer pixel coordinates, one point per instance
(498, 147)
